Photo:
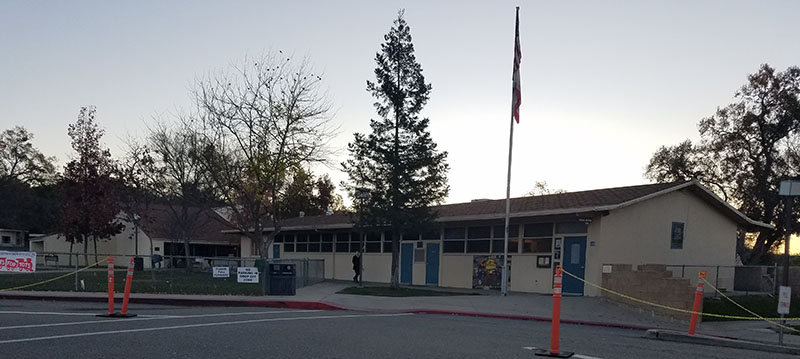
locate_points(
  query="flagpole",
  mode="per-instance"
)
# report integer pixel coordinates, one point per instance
(516, 100)
(504, 285)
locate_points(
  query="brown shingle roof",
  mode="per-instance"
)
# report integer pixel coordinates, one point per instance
(562, 203)
(159, 222)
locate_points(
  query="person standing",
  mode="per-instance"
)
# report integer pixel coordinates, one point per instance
(357, 266)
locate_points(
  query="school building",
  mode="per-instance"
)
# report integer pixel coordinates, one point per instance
(669, 223)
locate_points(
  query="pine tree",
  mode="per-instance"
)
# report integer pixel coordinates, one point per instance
(397, 169)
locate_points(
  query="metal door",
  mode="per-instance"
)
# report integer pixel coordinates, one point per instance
(575, 263)
(406, 262)
(432, 264)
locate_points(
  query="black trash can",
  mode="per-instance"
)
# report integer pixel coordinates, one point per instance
(138, 264)
(281, 279)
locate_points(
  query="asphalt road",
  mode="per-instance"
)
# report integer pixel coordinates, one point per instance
(39, 329)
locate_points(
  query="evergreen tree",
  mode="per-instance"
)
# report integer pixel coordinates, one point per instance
(396, 169)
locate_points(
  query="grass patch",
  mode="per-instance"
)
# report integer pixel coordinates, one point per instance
(400, 292)
(762, 305)
(178, 282)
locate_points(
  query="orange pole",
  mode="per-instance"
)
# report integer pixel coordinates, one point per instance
(110, 285)
(556, 322)
(698, 299)
(128, 280)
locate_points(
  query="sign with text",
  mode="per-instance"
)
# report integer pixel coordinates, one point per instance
(222, 272)
(247, 275)
(24, 262)
(784, 299)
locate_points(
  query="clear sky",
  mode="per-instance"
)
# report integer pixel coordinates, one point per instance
(604, 83)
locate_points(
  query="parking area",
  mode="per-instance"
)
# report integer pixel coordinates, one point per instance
(37, 329)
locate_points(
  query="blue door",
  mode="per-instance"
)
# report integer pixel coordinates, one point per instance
(432, 264)
(406, 262)
(575, 263)
(276, 251)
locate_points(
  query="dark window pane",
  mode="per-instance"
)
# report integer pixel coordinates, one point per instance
(279, 239)
(432, 234)
(342, 247)
(327, 247)
(287, 238)
(497, 246)
(539, 245)
(302, 238)
(481, 246)
(343, 237)
(453, 247)
(288, 247)
(479, 232)
(411, 236)
(314, 237)
(513, 231)
(373, 237)
(538, 229)
(571, 227)
(454, 233)
(387, 236)
(313, 247)
(676, 239)
(373, 247)
(301, 247)
(327, 237)
(387, 247)
(354, 237)
(354, 246)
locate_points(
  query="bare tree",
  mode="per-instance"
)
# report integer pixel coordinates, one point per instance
(259, 121)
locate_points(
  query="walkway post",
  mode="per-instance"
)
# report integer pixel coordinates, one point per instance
(698, 299)
(555, 327)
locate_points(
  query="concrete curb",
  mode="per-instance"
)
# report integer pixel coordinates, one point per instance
(673, 336)
(311, 305)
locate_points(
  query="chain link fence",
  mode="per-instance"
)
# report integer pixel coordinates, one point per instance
(155, 274)
(741, 279)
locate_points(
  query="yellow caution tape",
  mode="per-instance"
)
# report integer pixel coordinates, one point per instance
(52, 279)
(768, 320)
(673, 308)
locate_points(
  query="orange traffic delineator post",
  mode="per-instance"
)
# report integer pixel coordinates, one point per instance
(128, 280)
(556, 321)
(110, 313)
(698, 299)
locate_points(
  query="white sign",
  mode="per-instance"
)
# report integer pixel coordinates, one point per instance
(247, 275)
(784, 299)
(17, 262)
(222, 272)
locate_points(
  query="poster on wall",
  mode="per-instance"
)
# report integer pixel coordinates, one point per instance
(487, 272)
(24, 262)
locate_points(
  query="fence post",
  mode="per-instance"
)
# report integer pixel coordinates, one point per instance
(76, 270)
(716, 283)
(698, 299)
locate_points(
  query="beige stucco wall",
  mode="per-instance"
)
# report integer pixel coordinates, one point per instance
(526, 277)
(640, 234)
(456, 271)
(418, 273)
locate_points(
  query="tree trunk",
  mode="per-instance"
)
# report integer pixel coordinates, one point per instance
(186, 258)
(152, 265)
(85, 250)
(395, 259)
(94, 239)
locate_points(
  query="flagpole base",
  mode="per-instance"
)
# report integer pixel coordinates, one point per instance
(547, 353)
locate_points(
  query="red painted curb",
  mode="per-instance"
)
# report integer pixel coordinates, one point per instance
(289, 304)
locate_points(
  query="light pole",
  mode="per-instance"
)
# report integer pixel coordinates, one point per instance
(361, 194)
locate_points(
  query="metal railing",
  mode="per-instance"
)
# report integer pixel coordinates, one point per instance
(170, 274)
(736, 278)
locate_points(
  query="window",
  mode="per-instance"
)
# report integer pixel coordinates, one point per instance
(302, 243)
(479, 239)
(278, 239)
(453, 240)
(499, 234)
(327, 242)
(571, 227)
(387, 242)
(432, 234)
(538, 238)
(536, 245)
(373, 242)
(6, 239)
(343, 242)
(355, 241)
(539, 230)
(676, 239)
(411, 236)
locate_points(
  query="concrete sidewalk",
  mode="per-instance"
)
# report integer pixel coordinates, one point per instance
(524, 306)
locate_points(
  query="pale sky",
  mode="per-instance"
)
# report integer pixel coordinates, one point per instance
(604, 84)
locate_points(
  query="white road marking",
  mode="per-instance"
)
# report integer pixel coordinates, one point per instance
(284, 319)
(154, 317)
